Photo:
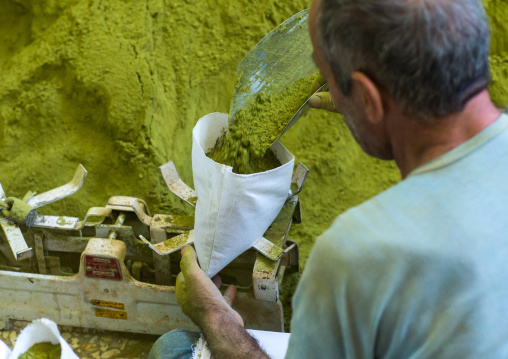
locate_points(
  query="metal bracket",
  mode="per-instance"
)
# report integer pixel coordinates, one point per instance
(170, 245)
(16, 241)
(102, 212)
(299, 178)
(45, 221)
(291, 262)
(72, 223)
(60, 192)
(172, 223)
(131, 204)
(14, 236)
(176, 185)
(2, 193)
(297, 214)
(39, 252)
(263, 246)
(270, 250)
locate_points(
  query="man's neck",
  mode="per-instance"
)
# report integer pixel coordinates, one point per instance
(415, 144)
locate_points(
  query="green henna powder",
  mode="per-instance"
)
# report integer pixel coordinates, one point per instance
(87, 82)
(258, 124)
(44, 350)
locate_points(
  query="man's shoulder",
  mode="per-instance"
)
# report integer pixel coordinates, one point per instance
(380, 215)
(467, 183)
(420, 212)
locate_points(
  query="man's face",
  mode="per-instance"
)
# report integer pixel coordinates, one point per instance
(354, 115)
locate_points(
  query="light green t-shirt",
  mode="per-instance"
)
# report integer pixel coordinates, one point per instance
(419, 271)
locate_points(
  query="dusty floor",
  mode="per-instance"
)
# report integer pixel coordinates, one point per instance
(93, 344)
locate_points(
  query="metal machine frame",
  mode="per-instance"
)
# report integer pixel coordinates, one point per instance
(100, 273)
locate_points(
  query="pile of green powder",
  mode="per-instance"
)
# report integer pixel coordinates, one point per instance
(44, 350)
(258, 124)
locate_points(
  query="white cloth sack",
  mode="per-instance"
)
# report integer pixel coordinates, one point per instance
(233, 211)
(41, 330)
(5, 352)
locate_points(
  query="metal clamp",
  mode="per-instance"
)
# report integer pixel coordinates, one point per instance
(299, 178)
(176, 185)
(170, 245)
(60, 192)
(131, 204)
(16, 241)
(24, 212)
(18, 211)
(270, 250)
(72, 223)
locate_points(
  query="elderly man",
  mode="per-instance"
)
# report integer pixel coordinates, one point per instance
(420, 270)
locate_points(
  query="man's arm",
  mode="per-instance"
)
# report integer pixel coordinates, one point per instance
(204, 304)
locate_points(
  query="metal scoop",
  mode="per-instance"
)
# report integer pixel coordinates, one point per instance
(280, 59)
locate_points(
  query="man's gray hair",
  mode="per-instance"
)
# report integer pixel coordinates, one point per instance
(430, 56)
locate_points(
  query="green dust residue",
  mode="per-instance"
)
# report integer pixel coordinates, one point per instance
(89, 83)
(180, 221)
(257, 125)
(193, 200)
(86, 82)
(497, 11)
(44, 350)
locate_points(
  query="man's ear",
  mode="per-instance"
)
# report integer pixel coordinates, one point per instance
(368, 95)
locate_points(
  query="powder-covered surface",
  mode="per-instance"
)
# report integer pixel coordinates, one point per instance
(118, 87)
(497, 11)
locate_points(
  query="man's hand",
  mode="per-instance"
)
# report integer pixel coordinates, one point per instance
(198, 296)
(324, 101)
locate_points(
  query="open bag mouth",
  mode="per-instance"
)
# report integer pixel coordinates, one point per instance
(206, 134)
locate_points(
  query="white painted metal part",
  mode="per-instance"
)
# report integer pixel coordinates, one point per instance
(176, 185)
(88, 299)
(270, 250)
(105, 295)
(170, 245)
(16, 240)
(299, 177)
(60, 192)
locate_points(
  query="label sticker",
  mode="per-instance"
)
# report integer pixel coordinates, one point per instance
(113, 314)
(102, 267)
(105, 303)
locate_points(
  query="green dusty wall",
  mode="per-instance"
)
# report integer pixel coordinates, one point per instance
(118, 86)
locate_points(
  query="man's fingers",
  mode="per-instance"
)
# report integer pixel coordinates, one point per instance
(180, 288)
(323, 100)
(230, 294)
(180, 281)
(188, 261)
(186, 248)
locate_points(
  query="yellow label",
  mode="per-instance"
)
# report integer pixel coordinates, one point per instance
(106, 313)
(105, 303)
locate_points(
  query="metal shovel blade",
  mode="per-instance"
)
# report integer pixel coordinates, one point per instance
(301, 111)
(280, 59)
